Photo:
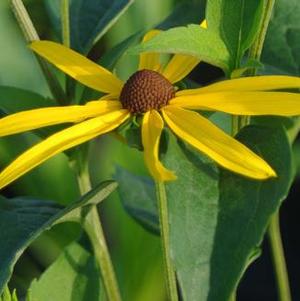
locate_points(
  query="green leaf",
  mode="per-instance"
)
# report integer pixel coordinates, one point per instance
(237, 23)
(110, 59)
(23, 220)
(246, 206)
(74, 276)
(193, 216)
(39, 182)
(192, 40)
(282, 45)
(217, 224)
(13, 100)
(291, 124)
(137, 195)
(185, 12)
(89, 19)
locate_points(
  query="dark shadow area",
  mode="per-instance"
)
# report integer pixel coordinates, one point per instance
(259, 281)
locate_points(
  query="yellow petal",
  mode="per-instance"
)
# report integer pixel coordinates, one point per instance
(181, 65)
(78, 67)
(244, 84)
(33, 119)
(243, 103)
(209, 139)
(203, 24)
(150, 61)
(151, 132)
(61, 141)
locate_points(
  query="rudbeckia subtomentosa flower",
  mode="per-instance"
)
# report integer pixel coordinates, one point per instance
(150, 93)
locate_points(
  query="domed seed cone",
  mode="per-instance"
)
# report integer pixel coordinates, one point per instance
(146, 90)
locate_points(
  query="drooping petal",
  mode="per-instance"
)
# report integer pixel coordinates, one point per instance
(151, 132)
(209, 139)
(244, 84)
(61, 141)
(243, 103)
(33, 119)
(150, 60)
(78, 67)
(181, 65)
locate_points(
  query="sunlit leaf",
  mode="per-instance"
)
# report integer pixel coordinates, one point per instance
(74, 276)
(237, 23)
(191, 40)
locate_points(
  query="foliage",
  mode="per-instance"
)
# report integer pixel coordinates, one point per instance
(217, 219)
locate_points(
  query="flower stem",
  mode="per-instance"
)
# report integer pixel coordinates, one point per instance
(165, 238)
(255, 53)
(282, 279)
(66, 39)
(94, 230)
(256, 49)
(65, 21)
(274, 228)
(31, 35)
(93, 227)
(235, 125)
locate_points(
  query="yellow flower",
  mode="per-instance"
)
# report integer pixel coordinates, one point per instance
(150, 92)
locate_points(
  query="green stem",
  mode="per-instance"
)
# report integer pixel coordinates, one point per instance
(238, 122)
(65, 21)
(93, 228)
(31, 35)
(256, 49)
(282, 279)
(233, 296)
(274, 229)
(235, 122)
(165, 238)
(254, 54)
(66, 38)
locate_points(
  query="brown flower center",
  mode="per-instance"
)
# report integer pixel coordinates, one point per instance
(146, 90)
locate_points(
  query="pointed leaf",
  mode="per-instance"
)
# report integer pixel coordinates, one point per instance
(216, 225)
(192, 40)
(23, 220)
(237, 23)
(89, 19)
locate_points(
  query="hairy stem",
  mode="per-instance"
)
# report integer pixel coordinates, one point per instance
(281, 273)
(31, 35)
(165, 239)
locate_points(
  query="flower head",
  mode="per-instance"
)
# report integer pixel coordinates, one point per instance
(150, 93)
